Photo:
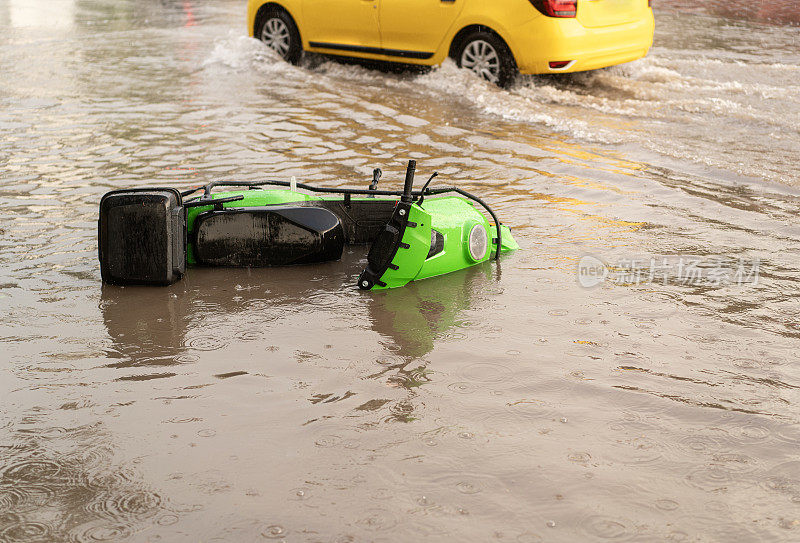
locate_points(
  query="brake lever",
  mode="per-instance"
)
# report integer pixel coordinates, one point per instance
(422, 192)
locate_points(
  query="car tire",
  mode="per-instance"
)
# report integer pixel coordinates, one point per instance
(279, 32)
(485, 54)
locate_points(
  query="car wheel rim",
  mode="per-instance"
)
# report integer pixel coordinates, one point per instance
(481, 57)
(276, 35)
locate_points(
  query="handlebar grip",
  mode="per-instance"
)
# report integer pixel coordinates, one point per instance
(412, 168)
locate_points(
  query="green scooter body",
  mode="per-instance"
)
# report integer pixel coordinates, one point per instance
(414, 235)
(436, 243)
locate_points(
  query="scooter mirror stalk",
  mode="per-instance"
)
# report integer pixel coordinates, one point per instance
(376, 176)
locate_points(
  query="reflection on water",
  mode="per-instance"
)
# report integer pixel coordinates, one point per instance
(499, 403)
(415, 317)
(23, 13)
(151, 327)
(773, 11)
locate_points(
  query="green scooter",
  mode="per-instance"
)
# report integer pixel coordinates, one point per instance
(149, 236)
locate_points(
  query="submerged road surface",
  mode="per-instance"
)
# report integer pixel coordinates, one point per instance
(629, 375)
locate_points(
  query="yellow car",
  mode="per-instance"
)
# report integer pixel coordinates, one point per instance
(494, 38)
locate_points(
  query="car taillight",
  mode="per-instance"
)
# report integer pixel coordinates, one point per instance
(556, 8)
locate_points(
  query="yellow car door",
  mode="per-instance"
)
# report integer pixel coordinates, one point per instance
(345, 25)
(413, 28)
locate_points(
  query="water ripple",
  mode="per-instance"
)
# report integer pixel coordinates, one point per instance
(699, 444)
(274, 531)
(606, 527)
(377, 520)
(27, 532)
(133, 505)
(112, 477)
(205, 343)
(469, 483)
(784, 478)
(33, 471)
(714, 479)
(98, 531)
(23, 497)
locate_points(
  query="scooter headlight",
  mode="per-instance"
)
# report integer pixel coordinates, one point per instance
(478, 242)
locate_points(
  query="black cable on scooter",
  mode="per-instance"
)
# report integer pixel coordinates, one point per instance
(360, 192)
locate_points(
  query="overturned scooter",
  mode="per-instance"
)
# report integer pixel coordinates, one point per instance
(149, 236)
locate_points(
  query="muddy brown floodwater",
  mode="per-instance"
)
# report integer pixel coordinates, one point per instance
(504, 403)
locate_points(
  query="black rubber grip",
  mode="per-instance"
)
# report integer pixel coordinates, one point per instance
(412, 168)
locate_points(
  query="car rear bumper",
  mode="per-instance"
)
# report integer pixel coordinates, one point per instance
(546, 40)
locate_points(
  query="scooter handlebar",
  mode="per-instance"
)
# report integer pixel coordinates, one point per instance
(407, 188)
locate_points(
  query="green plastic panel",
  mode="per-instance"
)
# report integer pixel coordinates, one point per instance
(454, 218)
(409, 261)
(508, 244)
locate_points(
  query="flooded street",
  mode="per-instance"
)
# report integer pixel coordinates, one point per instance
(508, 402)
